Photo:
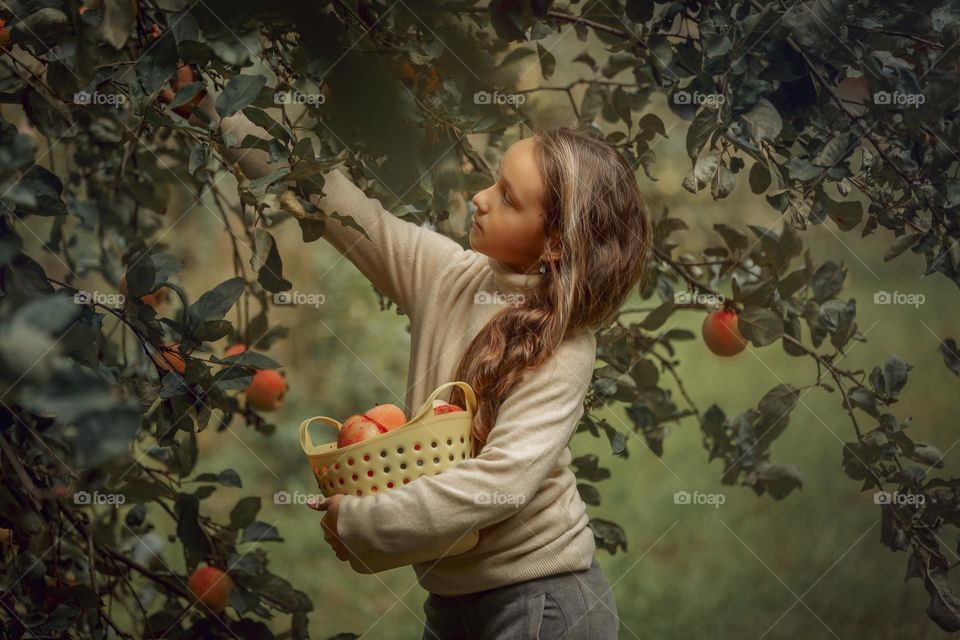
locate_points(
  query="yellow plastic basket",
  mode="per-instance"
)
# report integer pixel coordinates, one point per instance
(425, 446)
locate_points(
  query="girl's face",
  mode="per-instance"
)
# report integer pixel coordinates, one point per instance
(508, 224)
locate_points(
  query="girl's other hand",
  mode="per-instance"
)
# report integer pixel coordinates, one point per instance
(329, 523)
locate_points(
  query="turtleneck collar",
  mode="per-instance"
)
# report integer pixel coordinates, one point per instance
(506, 280)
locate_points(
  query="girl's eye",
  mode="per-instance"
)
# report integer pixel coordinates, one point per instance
(505, 199)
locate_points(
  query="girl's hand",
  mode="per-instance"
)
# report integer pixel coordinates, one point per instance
(329, 523)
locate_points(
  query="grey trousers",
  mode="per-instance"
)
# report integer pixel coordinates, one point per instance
(576, 605)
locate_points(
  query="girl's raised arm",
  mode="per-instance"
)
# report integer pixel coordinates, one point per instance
(400, 258)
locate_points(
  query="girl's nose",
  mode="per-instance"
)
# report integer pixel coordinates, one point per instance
(476, 200)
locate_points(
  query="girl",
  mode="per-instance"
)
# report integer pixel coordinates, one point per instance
(557, 244)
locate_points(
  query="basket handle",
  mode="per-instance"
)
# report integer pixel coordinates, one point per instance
(469, 396)
(305, 442)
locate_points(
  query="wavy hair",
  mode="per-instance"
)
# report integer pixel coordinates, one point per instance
(592, 196)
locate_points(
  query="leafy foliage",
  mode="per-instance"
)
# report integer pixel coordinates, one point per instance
(833, 105)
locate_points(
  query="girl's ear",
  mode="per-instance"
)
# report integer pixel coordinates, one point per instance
(554, 248)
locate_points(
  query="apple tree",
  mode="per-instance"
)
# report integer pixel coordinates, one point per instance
(836, 113)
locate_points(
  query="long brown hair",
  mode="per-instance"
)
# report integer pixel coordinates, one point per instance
(593, 198)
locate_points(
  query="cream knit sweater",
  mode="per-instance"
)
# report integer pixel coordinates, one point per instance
(519, 492)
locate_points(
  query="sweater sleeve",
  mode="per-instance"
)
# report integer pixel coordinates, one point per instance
(534, 425)
(400, 258)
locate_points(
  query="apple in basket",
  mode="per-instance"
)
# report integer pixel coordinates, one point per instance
(380, 419)
(439, 407)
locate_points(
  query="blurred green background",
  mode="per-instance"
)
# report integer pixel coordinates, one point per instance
(810, 566)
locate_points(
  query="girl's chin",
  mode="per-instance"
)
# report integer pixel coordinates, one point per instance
(475, 242)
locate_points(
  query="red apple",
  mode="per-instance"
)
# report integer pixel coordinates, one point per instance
(721, 333)
(170, 358)
(234, 350)
(380, 419)
(440, 407)
(356, 429)
(267, 391)
(211, 586)
(388, 416)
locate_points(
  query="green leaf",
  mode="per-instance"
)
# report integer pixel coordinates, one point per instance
(703, 171)
(864, 399)
(214, 304)
(793, 282)
(652, 123)
(258, 531)
(199, 154)
(196, 544)
(846, 215)
(266, 261)
(734, 240)
(759, 177)
(951, 355)
(639, 10)
(146, 272)
(760, 326)
(260, 118)
(828, 280)
(213, 330)
(38, 192)
(547, 62)
(142, 490)
(258, 186)
(233, 379)
(349, 222)
(894, 375)
(589, 494)
(779, 401)
(764, 120)
(704, 124)
(240, 92)
(248, 358)
(723, 183)
(244, 513)
(587, 468)
(158, 63)
(927, 454)
(778, 480)
(227, 477)
(658, 316)
(901, 244)
(508, 20)
(841, 145)
(608, 535)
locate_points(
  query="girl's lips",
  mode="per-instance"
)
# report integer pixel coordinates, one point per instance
(476, 225)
